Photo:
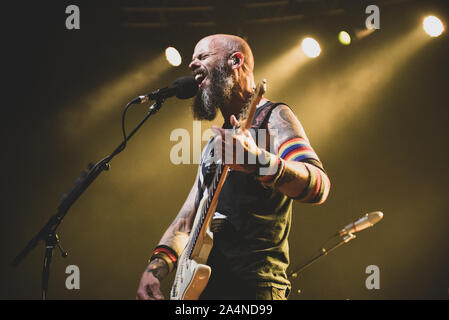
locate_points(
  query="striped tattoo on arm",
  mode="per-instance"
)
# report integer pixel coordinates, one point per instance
(318, 185)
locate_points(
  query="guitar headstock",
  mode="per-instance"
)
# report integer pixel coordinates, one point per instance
(246, 119)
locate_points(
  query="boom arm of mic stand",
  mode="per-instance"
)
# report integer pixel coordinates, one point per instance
(323, 252)
(48, 231)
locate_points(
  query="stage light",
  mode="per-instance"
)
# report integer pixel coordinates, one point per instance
(356, 86)
(433, 26)
(344, 38)
(173, 57)
(280, 70)
(311, 47)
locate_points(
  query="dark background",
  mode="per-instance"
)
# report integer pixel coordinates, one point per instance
(376, 112)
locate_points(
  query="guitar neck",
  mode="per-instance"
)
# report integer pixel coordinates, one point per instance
(218, 180)
(208, 209)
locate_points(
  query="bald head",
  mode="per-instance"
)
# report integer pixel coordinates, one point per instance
(223, 66)
(229, 44)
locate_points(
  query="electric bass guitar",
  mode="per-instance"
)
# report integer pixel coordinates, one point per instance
(192, 273)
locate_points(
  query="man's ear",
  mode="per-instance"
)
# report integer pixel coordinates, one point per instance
(237, 60)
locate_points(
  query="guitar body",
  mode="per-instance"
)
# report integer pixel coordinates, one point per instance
(192, 273)
(193, 280)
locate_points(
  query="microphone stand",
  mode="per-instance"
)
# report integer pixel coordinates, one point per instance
(323, 252)
(48, 232)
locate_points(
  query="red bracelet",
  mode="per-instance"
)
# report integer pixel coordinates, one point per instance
(166, 253)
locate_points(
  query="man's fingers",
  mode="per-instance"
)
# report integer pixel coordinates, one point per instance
(142, 295)
(156, 292)
(246, 133)
(158, 296)
(149, 293)
(233, 121)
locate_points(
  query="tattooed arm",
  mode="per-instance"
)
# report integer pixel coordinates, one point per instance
(176, 234)
(304, 178)
(174, 237)
(300, 175)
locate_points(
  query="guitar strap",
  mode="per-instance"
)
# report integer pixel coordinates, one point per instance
(263, 114)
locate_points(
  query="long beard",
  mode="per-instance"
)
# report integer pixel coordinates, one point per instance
(216, 95)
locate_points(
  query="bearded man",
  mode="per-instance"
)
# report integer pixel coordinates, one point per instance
(252, 219)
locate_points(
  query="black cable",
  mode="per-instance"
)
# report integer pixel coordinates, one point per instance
(325, 242)
(125, 138)
(321, 251)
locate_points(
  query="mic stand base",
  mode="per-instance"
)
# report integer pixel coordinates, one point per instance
(51, 242)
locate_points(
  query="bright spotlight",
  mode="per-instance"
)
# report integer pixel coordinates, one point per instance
(433, 26)
(344, 38)
(311, 47)
(173, 57)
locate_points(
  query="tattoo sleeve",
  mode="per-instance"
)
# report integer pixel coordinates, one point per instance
(304, 178)
(176, 235)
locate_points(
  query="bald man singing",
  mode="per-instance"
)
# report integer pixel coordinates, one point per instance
(251, 223)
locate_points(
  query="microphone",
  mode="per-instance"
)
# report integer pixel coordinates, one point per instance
(183, 88)
(368, 220)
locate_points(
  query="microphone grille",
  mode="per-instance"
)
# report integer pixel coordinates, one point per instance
(375, 217)
(186, 87)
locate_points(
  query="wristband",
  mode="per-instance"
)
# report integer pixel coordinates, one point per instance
(269, 174)
(268, 168)
(167, 254)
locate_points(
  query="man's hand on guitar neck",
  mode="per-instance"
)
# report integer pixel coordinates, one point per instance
(231, 146)
(150, 285)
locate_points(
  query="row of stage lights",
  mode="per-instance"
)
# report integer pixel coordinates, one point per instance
(311, 48)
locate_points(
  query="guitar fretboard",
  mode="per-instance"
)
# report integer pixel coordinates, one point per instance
(211, 189)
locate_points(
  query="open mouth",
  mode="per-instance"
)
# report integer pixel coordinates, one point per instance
(200, 78)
